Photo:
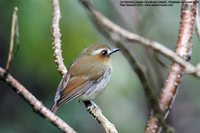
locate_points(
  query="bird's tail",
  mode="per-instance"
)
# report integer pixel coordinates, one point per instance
(54, 108)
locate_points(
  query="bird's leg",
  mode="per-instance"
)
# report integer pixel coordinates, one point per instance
(87, 103)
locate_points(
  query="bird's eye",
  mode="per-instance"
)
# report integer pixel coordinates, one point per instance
(104, 52)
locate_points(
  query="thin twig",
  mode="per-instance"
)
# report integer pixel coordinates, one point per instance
(12, 38)
(93, 108)
(198, 20)
(160, 62)
(184, 50)
(119, 34)
(56, 38)
(37, 106)
(96, 112)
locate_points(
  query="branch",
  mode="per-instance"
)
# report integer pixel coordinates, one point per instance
(92, 107)
(12, 38)
(96, 112)
(117, 34)
(56, 38)
(184, 50)
(37, 106)
(198, 20)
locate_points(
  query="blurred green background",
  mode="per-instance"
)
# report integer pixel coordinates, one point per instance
(123, 102)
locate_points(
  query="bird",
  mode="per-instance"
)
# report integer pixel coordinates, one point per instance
(87, 77)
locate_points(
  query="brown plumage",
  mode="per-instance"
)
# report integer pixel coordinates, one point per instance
(87, 76)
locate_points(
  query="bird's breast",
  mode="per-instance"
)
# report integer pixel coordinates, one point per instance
(98, 86)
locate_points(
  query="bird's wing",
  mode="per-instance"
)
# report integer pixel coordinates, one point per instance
(63, 83)
(76, 86)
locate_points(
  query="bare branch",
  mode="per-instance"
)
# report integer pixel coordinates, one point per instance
(12, 38)
(96, 112)
(37, 106)
(198, 20)
(156, 55)
(56, 38)
(184, 50)
(117, 34)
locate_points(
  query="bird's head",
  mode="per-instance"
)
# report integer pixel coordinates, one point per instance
(99, 52)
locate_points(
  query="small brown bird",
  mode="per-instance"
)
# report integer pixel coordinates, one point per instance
(87, 77)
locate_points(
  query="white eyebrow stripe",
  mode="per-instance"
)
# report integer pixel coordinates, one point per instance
(97, 51)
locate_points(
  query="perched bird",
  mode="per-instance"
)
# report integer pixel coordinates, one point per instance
(87, 76)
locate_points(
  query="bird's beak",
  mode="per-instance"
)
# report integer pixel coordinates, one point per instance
(113, 50)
